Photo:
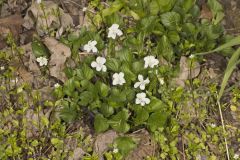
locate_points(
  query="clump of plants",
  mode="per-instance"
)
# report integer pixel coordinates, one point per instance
(123, 78)
(133, 48)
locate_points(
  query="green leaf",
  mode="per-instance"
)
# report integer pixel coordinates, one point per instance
(113, 64)
(165, 5)
(86, 98)
(165, 48)
(106, 110)
(157, 120)
(95, 104)
(147, 24)
(39, 49)
(124, 55)
(102, 88)
(56, 142)
(117, 96)
(137, 66)
(156, 105)
(85, 73)
(119, 121)
(174, 37)
(154, 8)
(129, 75)
(125, 145)
(188, 4)
(130, 94)
(234, 60)
(100, 123)
(217, 10)
(115, 6)
(69, 87)
(88, 72)
(141, 116)
(68, 113)
(233, 42)
(171, 19)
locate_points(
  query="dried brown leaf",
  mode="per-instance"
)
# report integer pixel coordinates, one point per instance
(103, 141)
(36, 14)
(187, 71)
(10, 24)
(78, 153)
(30, 59)
(60, 53)
(145, 147)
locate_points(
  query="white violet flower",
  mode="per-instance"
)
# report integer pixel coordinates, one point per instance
(43, 61)
(142, 99)
(236, 156)
(91, 46)
(141, 84)
(39, 1)
(118, 79)
(150, 61)
(114, 31)
(56, 85)
(2, 68)
(99, 64)
(115, 150)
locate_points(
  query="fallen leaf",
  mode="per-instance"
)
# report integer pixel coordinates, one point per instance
(4, 11)
(103, 141)
(60, 53)
(25, 75)
(10, 24)
(187, 71)
(30, 59)
(36, 14)
(32, 123)
(73, 9)
(145, 147)
(78, 153)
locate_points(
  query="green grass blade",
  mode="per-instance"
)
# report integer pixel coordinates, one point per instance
(235, 41)
(234, 60)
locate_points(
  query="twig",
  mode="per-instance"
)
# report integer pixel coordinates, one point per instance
(224, 131)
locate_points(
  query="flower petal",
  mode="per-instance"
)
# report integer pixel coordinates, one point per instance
(142, 86)
(95, 50)
(99, 68)
(121, 74)
(142, 103)
(147, 81)
(137, 84)
(137, 101)
(140, 77)
(115, 82)
(101, 60)
(104, 68)
(115, 75)
(111, 35)
(119, 32)
(87, 48)
(94, 64)
(115, 26)
(147, 100)
(93, 43)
